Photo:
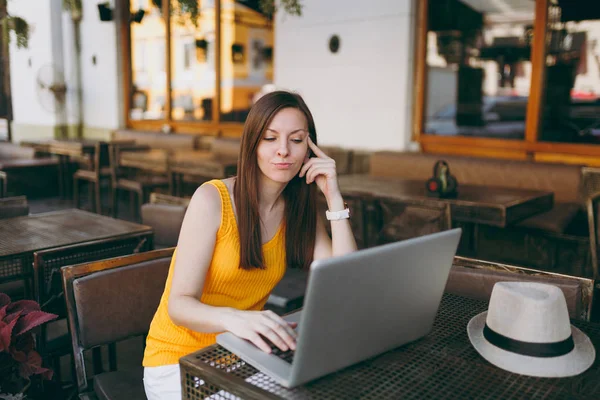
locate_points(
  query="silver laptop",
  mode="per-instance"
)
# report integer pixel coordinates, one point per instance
(358, 306)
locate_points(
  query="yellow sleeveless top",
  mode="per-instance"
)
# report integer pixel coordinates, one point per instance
(226, 285)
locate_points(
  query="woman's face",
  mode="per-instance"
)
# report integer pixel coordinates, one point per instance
(284, 146)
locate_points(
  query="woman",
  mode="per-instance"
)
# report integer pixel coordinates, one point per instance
(239, 235)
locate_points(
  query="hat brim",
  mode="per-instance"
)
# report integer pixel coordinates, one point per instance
(578, 360)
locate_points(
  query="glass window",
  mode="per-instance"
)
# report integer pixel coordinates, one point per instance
(246, 57)
(478, 68)
(193, 73)
(148, 64)
(571, 107)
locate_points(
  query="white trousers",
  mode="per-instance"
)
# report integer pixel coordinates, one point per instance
(162, 383)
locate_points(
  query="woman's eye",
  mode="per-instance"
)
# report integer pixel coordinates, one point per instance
(297, 140)
(269, 139)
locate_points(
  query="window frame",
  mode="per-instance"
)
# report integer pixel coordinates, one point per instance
(213, 127)
(528, 148)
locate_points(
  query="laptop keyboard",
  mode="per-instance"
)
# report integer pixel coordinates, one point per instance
(284, 355)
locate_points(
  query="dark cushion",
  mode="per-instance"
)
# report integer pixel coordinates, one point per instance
(126, 385)
(477, 283)
(556, 220)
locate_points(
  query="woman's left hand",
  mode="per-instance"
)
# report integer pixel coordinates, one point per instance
(321, 169)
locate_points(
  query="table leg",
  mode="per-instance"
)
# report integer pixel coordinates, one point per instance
(61, 181)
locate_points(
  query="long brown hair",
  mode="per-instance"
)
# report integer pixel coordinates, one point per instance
(300, 199)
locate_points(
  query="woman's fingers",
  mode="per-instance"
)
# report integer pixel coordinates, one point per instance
(288, 326)
(312, 174)
(318, 152)
(281, 328)
(275, 336)
(255, 338)
(316, 162)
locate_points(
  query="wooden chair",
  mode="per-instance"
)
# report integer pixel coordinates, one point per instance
(100, 171)
(49, 293)
(139, 181)
(165, 215)
(3, 184)
(593, 211)
(476, 279)
(11, 207)
(110, 301)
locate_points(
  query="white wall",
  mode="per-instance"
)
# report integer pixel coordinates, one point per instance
(361, 96)
(101, 90)
(25, 64)
(52, 45)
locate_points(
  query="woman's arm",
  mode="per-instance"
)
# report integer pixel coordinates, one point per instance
(322, 170)
(194, 254)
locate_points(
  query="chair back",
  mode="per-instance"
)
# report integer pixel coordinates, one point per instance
(112, 300)
(342, 157)
(11, 207)
(405, 219)
(593, 211)
(476, 279)
(226, 147)
(590, 184)
(114, 149)
(101, 157)
(48, 291)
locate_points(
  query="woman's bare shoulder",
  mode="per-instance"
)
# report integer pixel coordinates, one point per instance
(206, 200)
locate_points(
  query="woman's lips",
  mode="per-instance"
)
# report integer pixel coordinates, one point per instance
(282, 165)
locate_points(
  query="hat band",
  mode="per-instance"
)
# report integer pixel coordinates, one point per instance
(552, 349)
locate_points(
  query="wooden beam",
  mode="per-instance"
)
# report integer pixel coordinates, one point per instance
(216, 111)
(538, 72)
(122, 18)
(166, 10)
(420, 68)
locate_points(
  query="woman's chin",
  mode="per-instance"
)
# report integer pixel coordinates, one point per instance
(281, 176)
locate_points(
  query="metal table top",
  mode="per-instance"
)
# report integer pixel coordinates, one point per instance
(442, 365)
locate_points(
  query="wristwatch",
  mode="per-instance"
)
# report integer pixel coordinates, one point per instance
(337, 215)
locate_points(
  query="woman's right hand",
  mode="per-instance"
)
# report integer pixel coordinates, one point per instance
(251, 325)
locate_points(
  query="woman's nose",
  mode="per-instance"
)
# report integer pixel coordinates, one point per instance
(283, 150)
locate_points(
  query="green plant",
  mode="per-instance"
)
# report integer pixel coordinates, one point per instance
(292, 7)
(17, 25)
(74, 7)
(183, 9)
(188, 9)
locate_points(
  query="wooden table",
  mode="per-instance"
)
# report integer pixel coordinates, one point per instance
(489, 205)
(22, 236)
(442, 365)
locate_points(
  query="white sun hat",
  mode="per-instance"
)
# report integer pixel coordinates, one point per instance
(526, 330)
